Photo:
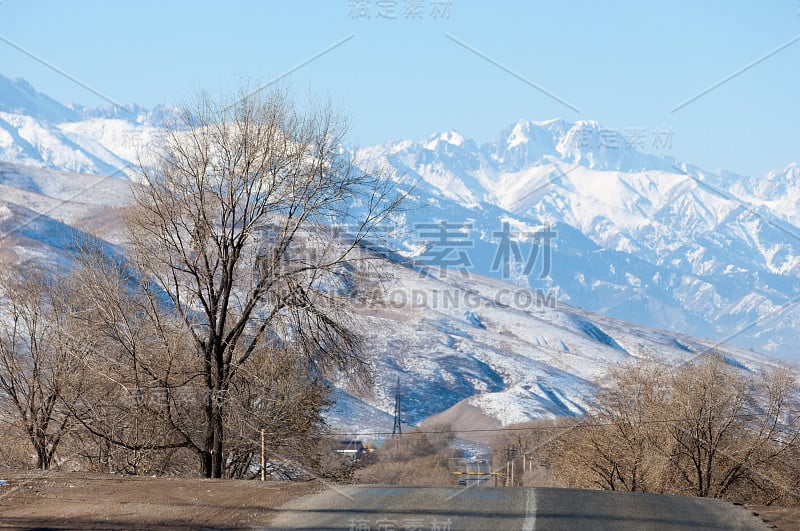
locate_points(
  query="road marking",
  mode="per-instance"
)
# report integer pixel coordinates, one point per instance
(530, 511)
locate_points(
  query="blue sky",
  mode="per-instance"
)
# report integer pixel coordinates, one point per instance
(465, 65)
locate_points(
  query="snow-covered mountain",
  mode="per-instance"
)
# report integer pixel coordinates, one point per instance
(635, 236)
(461, 343)
(43, 212)
(35, 130)
(457, 343)
(640, 237)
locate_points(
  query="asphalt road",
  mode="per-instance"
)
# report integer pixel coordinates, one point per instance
(474, 473)
(371, 508)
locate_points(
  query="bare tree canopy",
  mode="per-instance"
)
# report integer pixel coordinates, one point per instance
(233, 226)
(41, 359)
(703, 429)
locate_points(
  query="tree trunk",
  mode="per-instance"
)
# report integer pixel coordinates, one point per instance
(212, 457)
(206, 455)
(217, 457)
(205, 463)
(42, 457)
(40, 447)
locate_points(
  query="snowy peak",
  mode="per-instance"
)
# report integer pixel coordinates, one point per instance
(36, 130)
(777, 191)
(585, 140)
(781, 183)
(517, 136)
(17, 96)
(545, 135)
(590, 144)
(526, 143)
(452, 138)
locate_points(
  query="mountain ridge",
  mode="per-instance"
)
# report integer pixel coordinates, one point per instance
(640, 236)
(453, 339)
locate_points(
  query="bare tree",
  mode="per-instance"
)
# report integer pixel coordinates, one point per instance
(534, 449)
(144, 381)
(232, 226)
(41, 360)
(278, 393)
(707, 428)
(619, 442)
(729, 428)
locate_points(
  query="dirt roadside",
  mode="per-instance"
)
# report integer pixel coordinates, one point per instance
(781, 518)
(58, 500)
(61, 500)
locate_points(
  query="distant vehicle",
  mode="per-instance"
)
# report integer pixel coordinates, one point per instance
(353, 449)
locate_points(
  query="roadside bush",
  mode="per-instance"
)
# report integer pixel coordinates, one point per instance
(419, 457)
(708, 428)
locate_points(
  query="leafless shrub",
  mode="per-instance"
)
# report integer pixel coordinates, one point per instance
(42, 362)
(419, 457)
(704, 429)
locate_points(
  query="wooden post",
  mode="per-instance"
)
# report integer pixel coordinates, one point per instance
(263, 457)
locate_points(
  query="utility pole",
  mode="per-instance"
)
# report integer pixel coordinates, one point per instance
(508, 464)
(397, 429)
(511, 453)
(263, 457)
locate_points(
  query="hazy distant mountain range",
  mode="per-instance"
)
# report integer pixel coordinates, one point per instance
(572, 211)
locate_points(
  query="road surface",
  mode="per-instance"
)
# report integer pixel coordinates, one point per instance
(384, 508)
(473, 473)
